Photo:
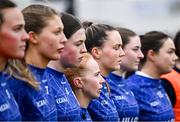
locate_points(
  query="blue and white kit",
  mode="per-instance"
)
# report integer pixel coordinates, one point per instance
(103, 108)
(9, 110)
(35, 105)
(67, 105)
(123, 98)
(154, 105)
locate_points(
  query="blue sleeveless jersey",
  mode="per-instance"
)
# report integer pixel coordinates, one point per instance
(66, 102)
(9, 110)
(85, 115)
(103, 108)
(35, 105)
(123, 98)
(154, 105)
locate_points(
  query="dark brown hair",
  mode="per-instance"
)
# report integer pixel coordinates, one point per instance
(4, 4)
(153, 40)
(125, 35)
(71, 24)
(96, 34)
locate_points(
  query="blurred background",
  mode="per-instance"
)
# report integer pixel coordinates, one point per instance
(139, 15)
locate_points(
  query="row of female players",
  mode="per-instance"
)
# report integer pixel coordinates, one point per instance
(47, 74)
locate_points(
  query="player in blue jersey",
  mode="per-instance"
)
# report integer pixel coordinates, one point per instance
(159, 58)
(46, 42)
(122, 96)
(12, 45)
(104, 43)
(86, 82)
(66, 102)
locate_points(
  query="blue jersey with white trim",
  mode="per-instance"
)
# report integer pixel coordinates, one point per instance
(103, 108)
(9, 110)
(154, 105)
(123, 98)
(85, 115)
(35, 105)
(66, 102)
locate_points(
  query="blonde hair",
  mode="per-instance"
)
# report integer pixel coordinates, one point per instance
(19, 69)
(36, 18)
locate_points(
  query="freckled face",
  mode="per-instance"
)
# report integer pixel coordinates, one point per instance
(92, 80)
